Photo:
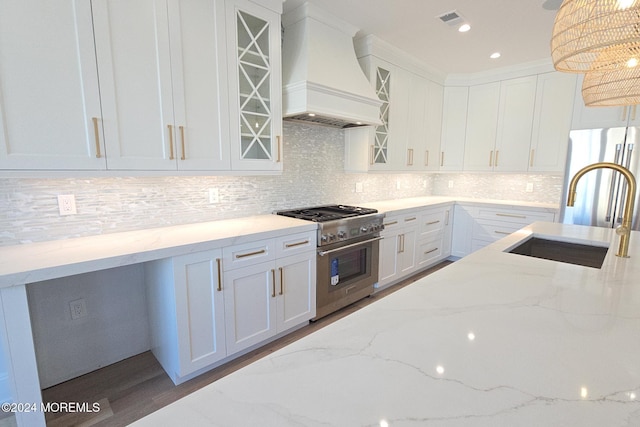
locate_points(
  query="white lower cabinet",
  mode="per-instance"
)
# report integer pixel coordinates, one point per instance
(477, 226)
(265, 298)
(413, 241)
(186, 312)
(208, 306)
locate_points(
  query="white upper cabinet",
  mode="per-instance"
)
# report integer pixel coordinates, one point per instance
(515, 120)
(454, 119)
(425, 123)
(134, 65)
(499, 123)
(482, 122)
(159, 82)
(49, 99)
(255, 86)
(601, 117)
(552, 122)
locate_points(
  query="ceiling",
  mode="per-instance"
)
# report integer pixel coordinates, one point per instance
(519, 29)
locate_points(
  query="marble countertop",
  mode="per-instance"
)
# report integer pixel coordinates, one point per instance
(421, 202)
(33, 262)
(495, 339)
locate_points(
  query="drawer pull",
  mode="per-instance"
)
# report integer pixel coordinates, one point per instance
(511, 215)
(281, 280)
(432, 222)
(262, 251)
(413, 218)
(502, 232)
(432, 250)
(292, 245)
(386, 224)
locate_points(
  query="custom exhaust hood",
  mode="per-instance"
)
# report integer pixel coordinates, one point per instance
(322, 80)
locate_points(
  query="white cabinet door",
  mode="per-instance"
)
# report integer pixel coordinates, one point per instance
(201, 126)
(454, 119)
(433, 131)
(255, 86)
(515, 120)
(132, 46)
(250, 307)
(389, 248)
(200, 310)
(49, 99)
(481, 127)
(424, 125)
(552, 122)
(296, 296)
(407, 251)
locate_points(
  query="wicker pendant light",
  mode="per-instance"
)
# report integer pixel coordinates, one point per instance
(585, 28)
(620, 86)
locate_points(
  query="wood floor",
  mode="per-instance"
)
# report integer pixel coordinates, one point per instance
(135, 387)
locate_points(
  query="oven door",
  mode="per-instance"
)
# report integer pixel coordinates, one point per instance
(345, 274)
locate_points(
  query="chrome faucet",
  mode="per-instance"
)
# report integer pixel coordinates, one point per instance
(624, 230)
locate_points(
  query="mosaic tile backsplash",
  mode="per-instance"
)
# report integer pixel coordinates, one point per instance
(313, 174)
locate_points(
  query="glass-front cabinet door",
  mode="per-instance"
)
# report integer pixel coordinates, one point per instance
(255, 86)
(381, 140)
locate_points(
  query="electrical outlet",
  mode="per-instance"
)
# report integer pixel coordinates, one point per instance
(67, 204)
(398, 185)
(78, 309)
(214, 196)
(529, 187)
(359, 187)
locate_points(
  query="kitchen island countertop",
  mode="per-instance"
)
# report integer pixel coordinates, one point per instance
(495, 339)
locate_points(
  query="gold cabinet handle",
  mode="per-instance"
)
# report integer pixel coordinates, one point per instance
(400, 243)
(633, 112)
(441, 158)
(432, 250)
(273, 282)
(170, 142)
(413, 218)
(410, 157)
(96, 134)
(218, 263)
(533, 152)
(371, 155)
(490, 158)
(262, 251)
(278, 140)
(293, 245)
(281, 280)
(426, 158)
(501, 232)
(184, 153)
(624, 113)
(511, 215)
(432, 222)
(386, 224)
(497, 153)
(446, 217)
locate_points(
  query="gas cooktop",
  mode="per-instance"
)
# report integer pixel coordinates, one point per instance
(327, 212)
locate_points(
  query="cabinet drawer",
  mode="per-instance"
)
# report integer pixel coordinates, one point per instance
(295, 244)
(523, 217)
(433, 222)
(490, 231)
(248, 254)
(429, 251)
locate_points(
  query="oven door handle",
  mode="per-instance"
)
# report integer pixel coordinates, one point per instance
(323, 253)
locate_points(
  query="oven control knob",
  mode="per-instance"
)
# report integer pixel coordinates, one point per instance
(331, 237)
(324, 238)
(342, 234)
(364, 229)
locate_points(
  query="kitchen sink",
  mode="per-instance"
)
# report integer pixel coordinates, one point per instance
(554, 250)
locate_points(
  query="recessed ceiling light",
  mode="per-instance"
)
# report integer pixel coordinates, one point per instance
(495, 55)
(312, 114)
(632, 62)
(464, 28)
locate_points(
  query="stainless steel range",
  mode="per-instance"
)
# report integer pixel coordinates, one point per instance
(348, 252)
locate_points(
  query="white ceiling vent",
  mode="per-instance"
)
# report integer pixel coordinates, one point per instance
(452, 18)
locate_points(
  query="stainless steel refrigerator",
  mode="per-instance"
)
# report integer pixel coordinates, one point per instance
(601, 193)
